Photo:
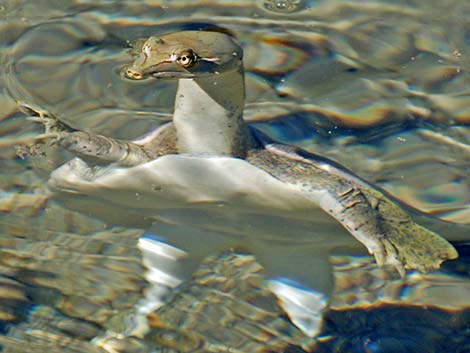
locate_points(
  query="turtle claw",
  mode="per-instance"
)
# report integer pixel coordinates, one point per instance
(391, 258)
(48, 136)
(54, 129)
(31, 110)
(38, 119)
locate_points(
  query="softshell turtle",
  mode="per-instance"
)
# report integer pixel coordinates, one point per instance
(207, 154)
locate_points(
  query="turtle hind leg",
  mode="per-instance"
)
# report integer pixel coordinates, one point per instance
(97, 149)
(301, 277)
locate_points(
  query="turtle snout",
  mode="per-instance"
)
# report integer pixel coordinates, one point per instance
(134, 74)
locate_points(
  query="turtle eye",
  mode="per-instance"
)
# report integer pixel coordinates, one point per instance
(186, 58)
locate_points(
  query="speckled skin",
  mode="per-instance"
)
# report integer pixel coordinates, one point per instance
(363, 211)
(208, 121)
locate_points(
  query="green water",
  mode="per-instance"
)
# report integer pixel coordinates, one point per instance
(381, 87)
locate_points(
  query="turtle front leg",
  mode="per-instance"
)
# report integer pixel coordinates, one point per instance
(416, 247)
(101, 149)
(371, 217)
(53, 127)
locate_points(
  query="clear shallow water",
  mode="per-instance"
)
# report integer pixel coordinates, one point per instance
(381, 88)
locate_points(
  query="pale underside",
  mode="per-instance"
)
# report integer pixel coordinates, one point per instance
(205, 204)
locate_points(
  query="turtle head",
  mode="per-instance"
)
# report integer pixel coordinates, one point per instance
(186, 54)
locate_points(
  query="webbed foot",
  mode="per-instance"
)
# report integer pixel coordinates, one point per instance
(54, 131)
(53, 128)
(412, 246)
(389, 233)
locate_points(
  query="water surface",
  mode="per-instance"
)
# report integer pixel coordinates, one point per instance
(381, 87)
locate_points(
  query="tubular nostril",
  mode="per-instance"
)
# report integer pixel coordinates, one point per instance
(133, 74)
